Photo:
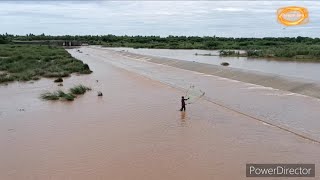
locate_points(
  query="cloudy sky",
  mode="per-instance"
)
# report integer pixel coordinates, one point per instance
(200, 18)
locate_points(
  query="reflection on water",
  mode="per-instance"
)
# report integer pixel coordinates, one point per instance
(293, 69)
(183, 116)
(183, 119)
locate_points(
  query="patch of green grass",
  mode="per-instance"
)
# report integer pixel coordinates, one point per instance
(69, 97)
(50, 96)
(66, 96)
(79, 89)
(57, 95)
(61, 95)
(6, 78)
(30, 62)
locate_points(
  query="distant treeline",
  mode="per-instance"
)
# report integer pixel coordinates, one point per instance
(299, 48)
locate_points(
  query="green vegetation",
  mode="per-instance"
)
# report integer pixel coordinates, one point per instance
(60, 95)
(66, 96)
(30, 62)
(50, 96)
(5, 77)
(79, 89)
(295, 48)
(57, 95)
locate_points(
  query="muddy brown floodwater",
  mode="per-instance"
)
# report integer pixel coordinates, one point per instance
(134, 131)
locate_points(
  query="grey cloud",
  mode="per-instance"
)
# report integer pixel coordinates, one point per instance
(221, 18)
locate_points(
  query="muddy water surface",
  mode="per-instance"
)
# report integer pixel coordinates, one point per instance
(293, 112)
(133, 132)
(304, 70)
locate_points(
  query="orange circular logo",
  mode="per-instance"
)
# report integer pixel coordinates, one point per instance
(293, 15)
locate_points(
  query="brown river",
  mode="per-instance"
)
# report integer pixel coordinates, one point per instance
(135, 130)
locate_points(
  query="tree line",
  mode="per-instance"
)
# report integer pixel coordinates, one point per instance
(289, 47)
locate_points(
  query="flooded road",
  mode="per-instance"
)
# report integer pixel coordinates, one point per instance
(305, 70)
(135, 130)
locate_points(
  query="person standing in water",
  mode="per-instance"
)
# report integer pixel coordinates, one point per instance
(183, 103)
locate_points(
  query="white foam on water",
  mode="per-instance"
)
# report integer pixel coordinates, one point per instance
(300, 95)
(227, 79)
(261, 87)
(232, 80)
(198, 73)
(266, 124)
(274, 94)
(291, 94)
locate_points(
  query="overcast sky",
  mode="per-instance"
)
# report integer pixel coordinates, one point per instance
(202, 18)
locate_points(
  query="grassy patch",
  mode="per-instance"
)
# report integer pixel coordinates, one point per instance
(66, 96)
(79, 89)
(30, 62)
(50, 96)
(57, 95)
(60, 95)
(5, 77)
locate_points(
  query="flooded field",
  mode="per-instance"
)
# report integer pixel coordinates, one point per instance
(135, 130)
(307, 70)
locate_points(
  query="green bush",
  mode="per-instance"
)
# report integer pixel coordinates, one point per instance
(79, 89)
(66, 96)
(59, 94)
(50, 96)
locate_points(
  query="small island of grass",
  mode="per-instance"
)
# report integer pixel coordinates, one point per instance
(60, 95)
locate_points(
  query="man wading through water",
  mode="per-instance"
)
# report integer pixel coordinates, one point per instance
(183, 103)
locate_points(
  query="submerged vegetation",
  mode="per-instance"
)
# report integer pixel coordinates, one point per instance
(50, 96)
(30, 62)
(80, 89)
(295, 48)
(60, 95)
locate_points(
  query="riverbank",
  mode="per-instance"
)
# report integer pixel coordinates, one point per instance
(31, 62)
